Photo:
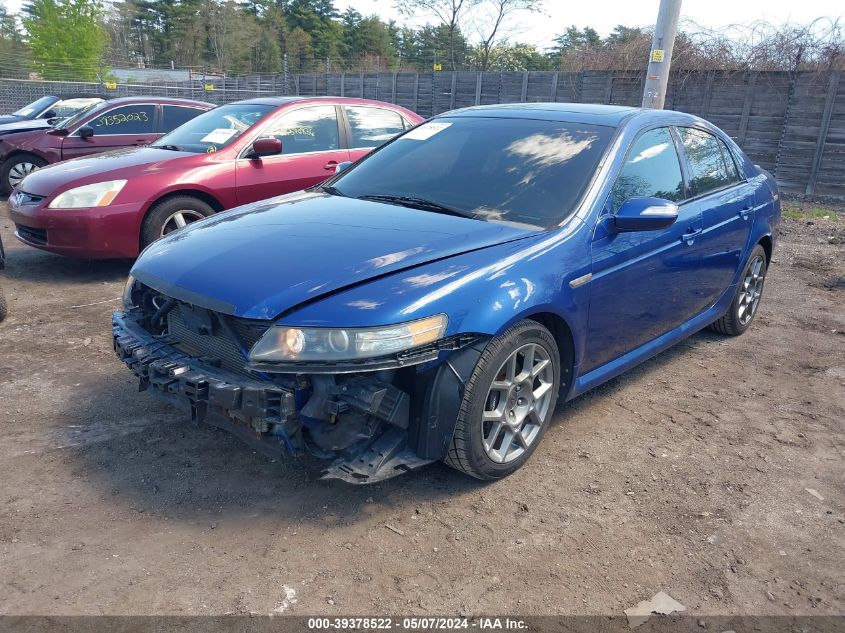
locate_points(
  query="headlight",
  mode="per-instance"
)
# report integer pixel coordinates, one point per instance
(282, 343)
(99, 194)
(128, 303)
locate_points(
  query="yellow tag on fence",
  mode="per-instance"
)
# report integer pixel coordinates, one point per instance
(209, 87)
(438, 67)
(110, 85)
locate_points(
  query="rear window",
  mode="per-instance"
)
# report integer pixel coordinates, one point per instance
(514, 171)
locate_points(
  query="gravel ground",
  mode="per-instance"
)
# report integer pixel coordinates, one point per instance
(714, 473)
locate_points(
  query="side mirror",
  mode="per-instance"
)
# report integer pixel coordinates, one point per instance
(50, 114)
(265, 147)
(645, 214)
(86, 131)
(341, 166)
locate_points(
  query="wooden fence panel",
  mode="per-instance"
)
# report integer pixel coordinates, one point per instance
(792, 124)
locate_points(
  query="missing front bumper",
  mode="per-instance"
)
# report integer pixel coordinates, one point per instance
(260, 413)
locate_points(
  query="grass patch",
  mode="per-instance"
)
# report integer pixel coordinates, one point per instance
(813, 213)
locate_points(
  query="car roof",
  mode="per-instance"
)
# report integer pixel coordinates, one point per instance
(152, 99)
(279, 101)
(575, 112)
(596, 114)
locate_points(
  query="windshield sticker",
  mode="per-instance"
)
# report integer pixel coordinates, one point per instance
(211, 149)
(27, 111)
(425, 131)
(220, 135)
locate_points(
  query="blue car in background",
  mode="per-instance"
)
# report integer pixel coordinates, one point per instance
(435, 300)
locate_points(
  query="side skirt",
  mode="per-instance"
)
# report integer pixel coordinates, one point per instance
(623, 363)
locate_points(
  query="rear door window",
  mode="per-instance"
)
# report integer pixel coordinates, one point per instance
(651, 169)
(174, 116)
(372, 127)
(130, 119)
(706, 160)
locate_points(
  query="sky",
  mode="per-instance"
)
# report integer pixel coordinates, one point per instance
(603, 15)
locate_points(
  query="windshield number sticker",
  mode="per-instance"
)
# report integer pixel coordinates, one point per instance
(218, 136)
(117, 119)
(425, 131)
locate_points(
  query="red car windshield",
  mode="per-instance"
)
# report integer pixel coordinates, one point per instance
(215, 129)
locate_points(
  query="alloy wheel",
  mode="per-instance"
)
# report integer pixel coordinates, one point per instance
(751, 290)
(178, 219)
(19, 171)
(517, 403)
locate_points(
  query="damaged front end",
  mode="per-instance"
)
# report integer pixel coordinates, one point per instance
(373, 419)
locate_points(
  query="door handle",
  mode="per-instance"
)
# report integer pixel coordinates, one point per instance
(747, 210)
(331, 165)
(691, 234)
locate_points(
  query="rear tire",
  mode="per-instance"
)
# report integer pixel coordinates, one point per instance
(16, 168)
(508, 403)
(171, 214)
(746, 301)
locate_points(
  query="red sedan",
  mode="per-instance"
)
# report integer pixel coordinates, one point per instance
(102, 126)
(112, 205)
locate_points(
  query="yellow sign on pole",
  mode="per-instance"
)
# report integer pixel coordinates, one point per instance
(657, 55)
(438, 67)
(110, 85)
(209, 87)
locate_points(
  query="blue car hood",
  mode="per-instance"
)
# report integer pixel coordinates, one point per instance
(264, 259)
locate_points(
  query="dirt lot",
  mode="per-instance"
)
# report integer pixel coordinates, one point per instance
(687, 475)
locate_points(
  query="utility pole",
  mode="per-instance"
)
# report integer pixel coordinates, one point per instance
(660, 58)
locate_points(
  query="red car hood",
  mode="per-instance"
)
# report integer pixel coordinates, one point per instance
(118, 164)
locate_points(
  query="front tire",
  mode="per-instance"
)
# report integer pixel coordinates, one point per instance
(16, 168)
(508, 403)
(171, 214)
(749, 291)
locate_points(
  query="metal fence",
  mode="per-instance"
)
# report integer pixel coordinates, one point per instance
(792, 124)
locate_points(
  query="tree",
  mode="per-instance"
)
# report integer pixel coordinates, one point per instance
(451, 14)
(492, 24)
(515, 57)
(12, 49)
(66, 37)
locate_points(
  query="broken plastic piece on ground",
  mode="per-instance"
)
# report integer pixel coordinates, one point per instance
(815, 493)
(661, 603)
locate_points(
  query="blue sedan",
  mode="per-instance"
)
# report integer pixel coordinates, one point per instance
(438, 298)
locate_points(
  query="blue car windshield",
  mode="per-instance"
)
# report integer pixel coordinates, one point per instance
(522, 172)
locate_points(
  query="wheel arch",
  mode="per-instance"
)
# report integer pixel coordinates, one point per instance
(562, 334)
(25, 152)
(200, 194)
(768, 244)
